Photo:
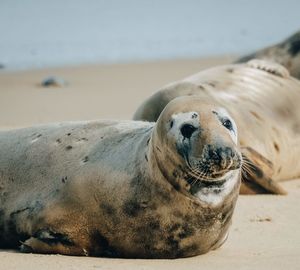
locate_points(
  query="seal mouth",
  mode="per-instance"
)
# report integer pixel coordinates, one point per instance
(199, 179)
(212, 183)
(205, 183)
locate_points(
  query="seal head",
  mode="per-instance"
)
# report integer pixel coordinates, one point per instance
(200, 143)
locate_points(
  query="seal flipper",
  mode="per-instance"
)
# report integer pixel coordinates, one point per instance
(269, 66)
(286, 53)
(47, 242)
(256, 174)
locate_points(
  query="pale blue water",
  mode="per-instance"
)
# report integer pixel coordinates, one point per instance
(39, 33)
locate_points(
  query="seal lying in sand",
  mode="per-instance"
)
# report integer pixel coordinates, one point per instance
(286, 53)
(264, 100)
(122, 189)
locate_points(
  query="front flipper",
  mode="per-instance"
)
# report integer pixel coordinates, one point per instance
(48, 242)
(256, 174)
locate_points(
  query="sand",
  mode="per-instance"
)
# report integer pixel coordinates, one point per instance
(107, 91)
(265, 233)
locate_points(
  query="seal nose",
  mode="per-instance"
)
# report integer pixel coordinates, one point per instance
(224, 157)
(187, 130)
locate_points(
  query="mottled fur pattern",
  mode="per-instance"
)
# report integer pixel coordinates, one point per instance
(115, 189)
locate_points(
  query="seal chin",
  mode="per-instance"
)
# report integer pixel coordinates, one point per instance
(210, 187)
(215, 183)
(213, 191)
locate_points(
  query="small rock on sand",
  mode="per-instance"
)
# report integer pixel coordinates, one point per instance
(54, 81)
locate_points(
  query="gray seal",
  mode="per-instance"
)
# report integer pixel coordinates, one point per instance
(122, 189)
(264, 100)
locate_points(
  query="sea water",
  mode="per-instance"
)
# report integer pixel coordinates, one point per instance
(40, 33)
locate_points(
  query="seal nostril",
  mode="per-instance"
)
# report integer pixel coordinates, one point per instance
(223, 157)
(187, 130)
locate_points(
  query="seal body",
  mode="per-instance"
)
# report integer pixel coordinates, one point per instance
(264, 101)
(121, 189)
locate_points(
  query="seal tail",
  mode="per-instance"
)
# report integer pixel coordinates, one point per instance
(286, 53)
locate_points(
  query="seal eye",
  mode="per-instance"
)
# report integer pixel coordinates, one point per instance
(187, 130)
(171, 124)
(227, 123)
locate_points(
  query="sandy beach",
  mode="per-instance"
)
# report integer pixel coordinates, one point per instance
(91, 92)
(265, 233)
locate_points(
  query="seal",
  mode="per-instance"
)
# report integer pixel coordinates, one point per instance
(264, 101)
(122, 189)
(286, 53)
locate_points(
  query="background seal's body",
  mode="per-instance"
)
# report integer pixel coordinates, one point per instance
(263, 99)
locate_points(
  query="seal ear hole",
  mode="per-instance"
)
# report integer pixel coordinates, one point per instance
(187, 130)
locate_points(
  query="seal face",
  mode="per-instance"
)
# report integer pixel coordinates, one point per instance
(206, 140)
(122, 189)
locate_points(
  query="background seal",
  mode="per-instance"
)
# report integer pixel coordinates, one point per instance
(264, 101)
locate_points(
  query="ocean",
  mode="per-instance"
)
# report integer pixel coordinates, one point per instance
(40, 33)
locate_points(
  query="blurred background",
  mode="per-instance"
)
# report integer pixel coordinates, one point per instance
(43, 33)
(77, 60)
